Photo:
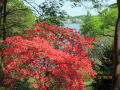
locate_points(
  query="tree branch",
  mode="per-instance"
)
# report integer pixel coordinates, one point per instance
(32, 6)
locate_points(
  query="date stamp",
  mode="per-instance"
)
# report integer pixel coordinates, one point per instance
(97, 77)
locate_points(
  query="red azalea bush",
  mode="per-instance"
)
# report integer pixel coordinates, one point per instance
(52, 56)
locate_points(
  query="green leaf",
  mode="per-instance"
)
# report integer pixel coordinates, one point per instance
(2, 88)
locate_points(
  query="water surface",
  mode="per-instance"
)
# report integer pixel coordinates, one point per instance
(73, 26)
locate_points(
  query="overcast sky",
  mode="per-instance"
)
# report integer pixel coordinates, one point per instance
(81, 10)
(76, 11)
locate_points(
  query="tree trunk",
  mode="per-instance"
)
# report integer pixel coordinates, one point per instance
(3, 7)
(1, 10)
(4, 20)
(116, 67)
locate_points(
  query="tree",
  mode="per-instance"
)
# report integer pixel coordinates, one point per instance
(116, 44)
(3, 8)
(116, 60)
(3, 5)
(102, 24)
(91, 26)
(12, 18)
(18, 15)
(50, 12)
(109, 18)
(51, 56)
(116, 71)
(102, 53)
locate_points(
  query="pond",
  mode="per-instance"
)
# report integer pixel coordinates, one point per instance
(72, 25)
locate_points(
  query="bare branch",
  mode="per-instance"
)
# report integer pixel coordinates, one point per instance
(32, 6)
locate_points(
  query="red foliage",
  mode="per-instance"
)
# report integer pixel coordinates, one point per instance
(50, 55)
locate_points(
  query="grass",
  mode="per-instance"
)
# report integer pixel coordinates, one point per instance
(89, 88)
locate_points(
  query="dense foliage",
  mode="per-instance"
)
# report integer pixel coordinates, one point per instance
(104, 53)
(51, 56)
(50, 12)
(101, 25)
(19, 17)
